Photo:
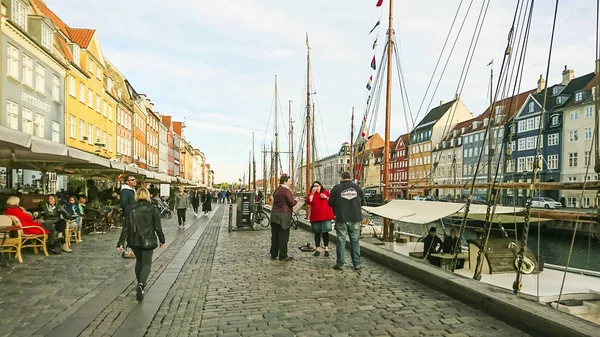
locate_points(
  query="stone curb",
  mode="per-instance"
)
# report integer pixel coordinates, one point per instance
(527, 315)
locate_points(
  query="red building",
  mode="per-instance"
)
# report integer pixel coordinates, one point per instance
(398, 167)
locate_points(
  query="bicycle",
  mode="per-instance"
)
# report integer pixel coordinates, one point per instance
(260, 215)
(295, 220)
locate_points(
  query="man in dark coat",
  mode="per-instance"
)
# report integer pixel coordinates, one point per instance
(127, 194)
(431, 245)
(281, 219)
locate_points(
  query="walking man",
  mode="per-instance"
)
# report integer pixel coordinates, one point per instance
(181, 205)
(127, 195)
(346, 200)
(281, 219)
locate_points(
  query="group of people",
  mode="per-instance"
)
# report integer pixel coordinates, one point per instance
(432, 244)
(343, 203)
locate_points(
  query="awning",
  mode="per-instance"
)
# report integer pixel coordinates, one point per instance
(423, 212)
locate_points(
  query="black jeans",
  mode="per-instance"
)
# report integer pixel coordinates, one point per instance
(143, 262)
(50, 227)
(195, 209)
(181, 215)
(318, 239)
(279, 241)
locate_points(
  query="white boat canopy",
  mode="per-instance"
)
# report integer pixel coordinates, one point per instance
(424, 212)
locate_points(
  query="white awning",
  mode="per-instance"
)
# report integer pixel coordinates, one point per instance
(423, 212)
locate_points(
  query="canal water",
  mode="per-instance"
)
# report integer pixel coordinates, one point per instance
(554, 249)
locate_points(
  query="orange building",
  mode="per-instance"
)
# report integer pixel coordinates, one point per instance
(180, 148)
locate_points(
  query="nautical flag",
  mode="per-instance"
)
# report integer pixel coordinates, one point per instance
(379, 3)
(370, 82)
(375, 43)
(377, 24)
(373, 63)
(491, 62)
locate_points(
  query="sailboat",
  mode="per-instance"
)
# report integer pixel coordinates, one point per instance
(486, 258)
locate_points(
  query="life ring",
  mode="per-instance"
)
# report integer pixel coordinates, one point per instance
(527, 266)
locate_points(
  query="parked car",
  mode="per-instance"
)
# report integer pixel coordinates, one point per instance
(418, 197)
(545, 202)
(478, 200)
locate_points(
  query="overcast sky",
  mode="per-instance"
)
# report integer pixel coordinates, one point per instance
(214, 62)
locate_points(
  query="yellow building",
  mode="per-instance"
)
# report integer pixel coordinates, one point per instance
(90, 110)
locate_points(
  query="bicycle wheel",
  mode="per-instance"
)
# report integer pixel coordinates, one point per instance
(295, 220)
(264, 219)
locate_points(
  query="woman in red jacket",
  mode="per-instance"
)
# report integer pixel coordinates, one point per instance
(320, 216)
(26, 219)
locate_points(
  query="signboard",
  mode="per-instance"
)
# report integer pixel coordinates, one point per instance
(245, 206)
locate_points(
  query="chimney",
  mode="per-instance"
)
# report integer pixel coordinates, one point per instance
(541, 84)
(441, 102)
(568, 75)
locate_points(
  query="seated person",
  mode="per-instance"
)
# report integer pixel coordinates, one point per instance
(72, 207)
(33, 227)
(54, 214)
(431, 245)
(451, 243)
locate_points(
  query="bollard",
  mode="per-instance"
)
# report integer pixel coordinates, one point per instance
(229, 225)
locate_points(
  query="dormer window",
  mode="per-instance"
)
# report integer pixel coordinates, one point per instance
(76, 53)
(47, 38)
(559, 100)
(555, 90)
(554, 120)
(578, 96)
(19, 13)
(531, 106)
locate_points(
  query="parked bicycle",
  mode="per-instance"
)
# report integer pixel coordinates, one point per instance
(260, 215)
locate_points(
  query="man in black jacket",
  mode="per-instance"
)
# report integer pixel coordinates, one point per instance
(127, 194)
(346, 200)
(432, 245)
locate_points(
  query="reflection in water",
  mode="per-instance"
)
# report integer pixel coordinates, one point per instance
(553, 249)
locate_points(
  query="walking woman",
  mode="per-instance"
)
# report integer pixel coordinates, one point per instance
(196, 201)
(206, 202)
(140, 228)
(181, 205)
(320, 216)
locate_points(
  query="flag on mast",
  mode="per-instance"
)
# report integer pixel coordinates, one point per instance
(375, 43)
(377, 24)
(379, 3)
(370, 82)
(373, 63)
(491, 62)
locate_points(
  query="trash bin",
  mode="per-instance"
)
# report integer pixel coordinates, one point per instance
(245, 206)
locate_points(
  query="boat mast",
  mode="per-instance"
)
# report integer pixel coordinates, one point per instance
(291, 146)
(352, 145)
(490, 135)
(308, 182)
(276, 155)
(253, 166)
(388, 109)
(314, 143)
(265, 181)
(249, 169)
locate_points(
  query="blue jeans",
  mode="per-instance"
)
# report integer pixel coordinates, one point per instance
(353, 231)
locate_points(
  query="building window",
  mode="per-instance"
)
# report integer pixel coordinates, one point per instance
(571, 202)
(19, 14)
(40, 77)
(82, 93)
(39, 125)
(553, 162)
(104, 108)
(589, 112)
(510, 165)
(104, 139)
(90, 99)
(574, 115)
(553, 139)
(90, 134)
(588, 133)
(90, 65)
(531, 106)
(109, 143)
(47, 37)
(110, 112)
(27, 121)
(554, 120)
(521, 164)
(573, 159)
(76, 55)
(585, 202)
(56, 131)
(578, 96)
(98, 102)
(12, 115)
(529, 163)
(72, 86)
(27, 71)
(55, 88)
(573, 135)
(586, 158)
(81, 129)
(71, 126)
(12, 62)
(98, 72)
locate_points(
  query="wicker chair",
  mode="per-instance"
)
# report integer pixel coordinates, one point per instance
(72, 233)
(34, 241)
(11, 244)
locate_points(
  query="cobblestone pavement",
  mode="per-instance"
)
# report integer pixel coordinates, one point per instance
(228, 286)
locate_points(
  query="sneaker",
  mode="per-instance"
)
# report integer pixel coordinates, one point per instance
(179, 227)
(338, 267)
(79, 241)
(357, 268)
(317, 253)
(326, 253)
(139, 295)
(273, 257)
(65, 248)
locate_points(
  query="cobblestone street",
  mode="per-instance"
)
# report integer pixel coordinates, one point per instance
(208, 282)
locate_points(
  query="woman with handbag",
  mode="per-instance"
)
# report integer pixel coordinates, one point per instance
(140, 227)
(320, 216)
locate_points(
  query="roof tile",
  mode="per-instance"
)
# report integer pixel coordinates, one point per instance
(81, 36)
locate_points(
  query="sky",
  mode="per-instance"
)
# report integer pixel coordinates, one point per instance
(214, 62)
